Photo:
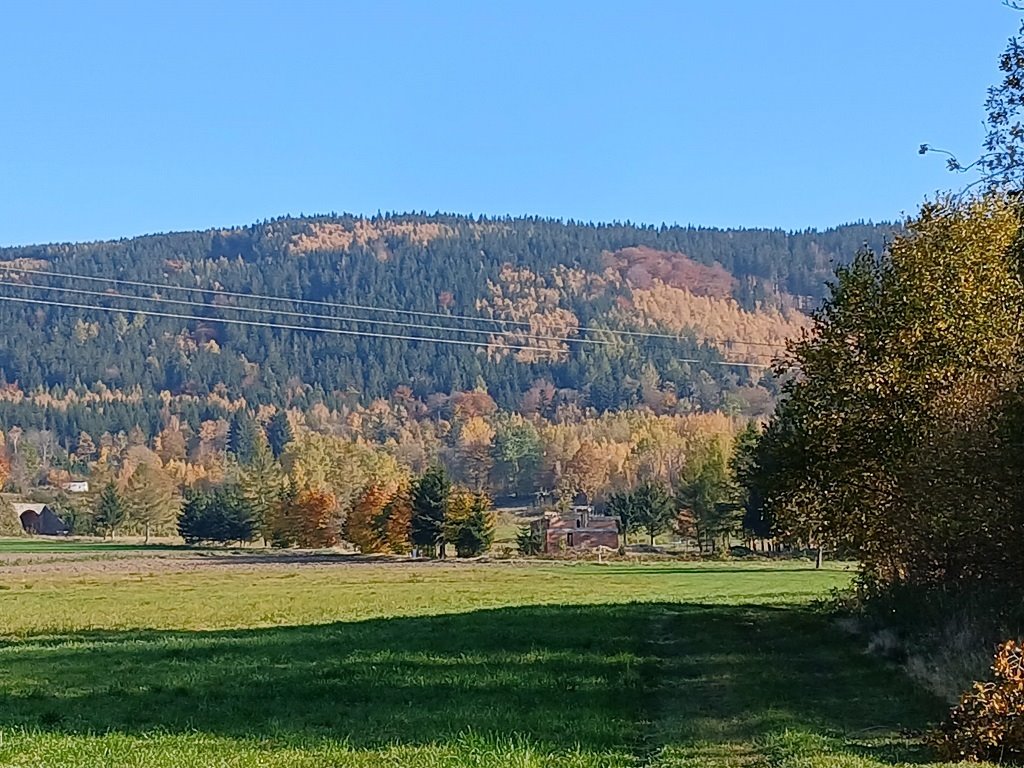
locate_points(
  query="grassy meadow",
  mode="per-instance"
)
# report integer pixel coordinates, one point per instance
(188, 658)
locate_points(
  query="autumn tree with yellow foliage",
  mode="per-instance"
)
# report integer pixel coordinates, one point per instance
(901, 438)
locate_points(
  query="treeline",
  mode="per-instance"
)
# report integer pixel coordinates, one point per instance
(250, 477)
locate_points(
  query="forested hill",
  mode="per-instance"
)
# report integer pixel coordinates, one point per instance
(563, 293)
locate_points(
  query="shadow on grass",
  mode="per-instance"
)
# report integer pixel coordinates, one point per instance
(604, 677)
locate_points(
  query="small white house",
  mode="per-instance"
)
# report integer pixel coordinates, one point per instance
(76, 486)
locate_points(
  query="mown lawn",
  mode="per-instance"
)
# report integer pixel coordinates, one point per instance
(443, 665)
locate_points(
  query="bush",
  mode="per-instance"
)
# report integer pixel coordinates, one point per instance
(988, 723)
(529, 541)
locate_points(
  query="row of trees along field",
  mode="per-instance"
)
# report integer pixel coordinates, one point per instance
(277, 479)
(425, 513)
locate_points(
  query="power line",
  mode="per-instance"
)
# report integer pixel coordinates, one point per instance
(263, 324)
(333, 331)
(308, 316)
(289, 313)
(370, 308)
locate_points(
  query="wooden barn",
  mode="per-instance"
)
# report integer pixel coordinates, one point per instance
(577, 529)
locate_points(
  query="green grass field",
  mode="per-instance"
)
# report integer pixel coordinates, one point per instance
(173, 659)
(32, 545)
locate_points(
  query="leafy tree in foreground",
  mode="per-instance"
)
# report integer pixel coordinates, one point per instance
(1001, 163)
(901, 438)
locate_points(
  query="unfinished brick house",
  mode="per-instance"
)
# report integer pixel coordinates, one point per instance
(577, 529)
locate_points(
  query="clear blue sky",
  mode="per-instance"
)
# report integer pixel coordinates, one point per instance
(119, 119)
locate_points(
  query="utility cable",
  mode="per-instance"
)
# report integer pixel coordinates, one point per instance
(333, 331)
(367, 307)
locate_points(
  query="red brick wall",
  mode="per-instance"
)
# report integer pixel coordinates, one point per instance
(582, 538)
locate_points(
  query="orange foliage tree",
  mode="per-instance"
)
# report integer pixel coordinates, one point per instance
(316, 518)
(306, 518)
(364, 523)
(398, 526)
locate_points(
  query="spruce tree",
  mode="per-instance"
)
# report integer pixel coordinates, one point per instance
(261, 484)
(429, 504)
(110, 510)
(279, 433)
(470, 524)
(243, 437)
(220, 516)
(238, 520)
(194, 522)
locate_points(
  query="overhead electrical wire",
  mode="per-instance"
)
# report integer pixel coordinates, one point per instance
(332, 331)
(365, 307)
(263, 324)
(285, 312)
(330, 318)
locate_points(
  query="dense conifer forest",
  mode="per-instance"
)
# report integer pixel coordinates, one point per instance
(556, 297)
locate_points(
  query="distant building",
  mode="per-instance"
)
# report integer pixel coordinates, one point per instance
(76, 486)
(40, 520)
(577, 529)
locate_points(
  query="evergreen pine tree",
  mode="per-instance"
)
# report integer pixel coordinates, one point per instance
(529, 541)
(110, 510)
(221, 516)
(279, 433)
(429, 504)
(238, 519)
(261, 484)
(243, 437)
(194, 522)
(470, 524)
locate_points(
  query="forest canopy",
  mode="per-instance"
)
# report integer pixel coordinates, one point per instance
(596, 317)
